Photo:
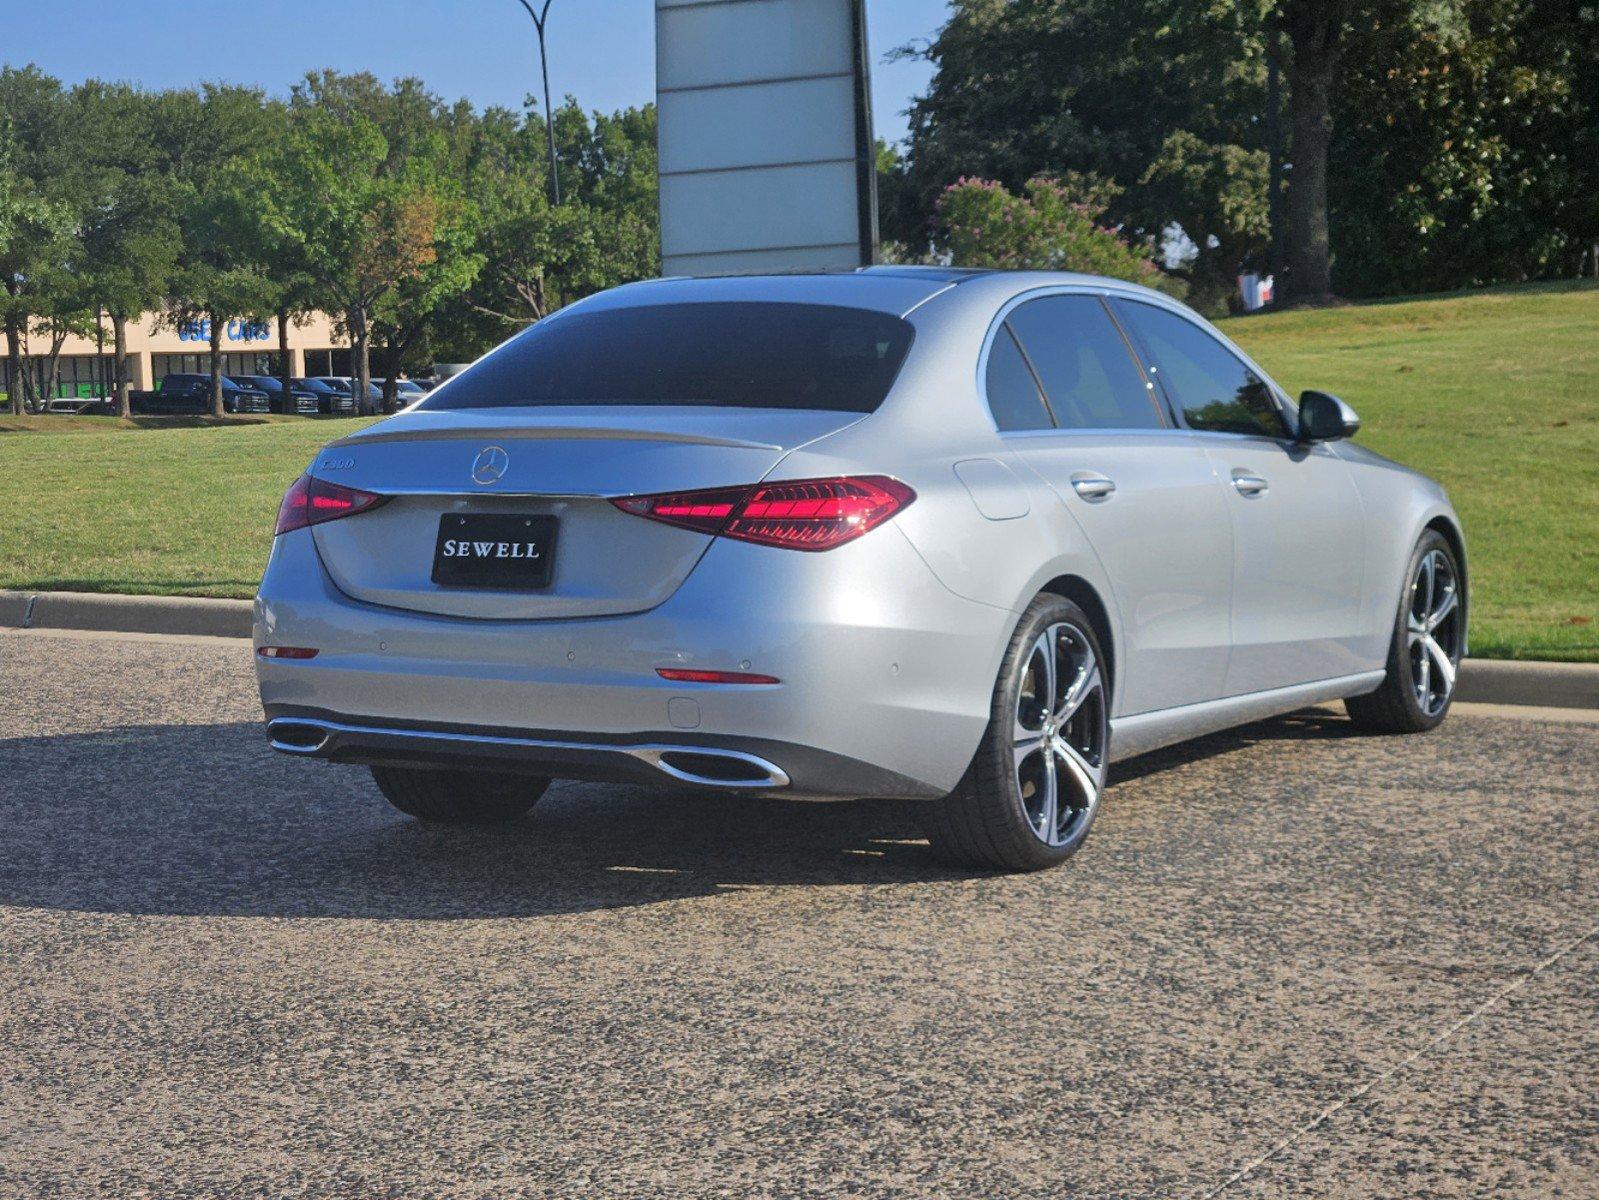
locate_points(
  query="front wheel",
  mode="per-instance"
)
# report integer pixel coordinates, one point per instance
(456, 797)
(1031, 793)
(1428, 641)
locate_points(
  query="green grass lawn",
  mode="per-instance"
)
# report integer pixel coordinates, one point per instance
(159, 505)
(1494, 393)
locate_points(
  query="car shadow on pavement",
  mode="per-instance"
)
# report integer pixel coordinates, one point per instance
(206, 820)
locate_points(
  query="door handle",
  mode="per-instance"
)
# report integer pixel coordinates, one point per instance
(1249, 485)
(1092, 486)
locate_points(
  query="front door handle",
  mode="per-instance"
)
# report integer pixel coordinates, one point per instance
(1249, 485)
(1092, 486)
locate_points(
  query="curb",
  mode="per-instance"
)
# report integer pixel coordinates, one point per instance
(189, 615)
(1539, 684)
(1482, 680)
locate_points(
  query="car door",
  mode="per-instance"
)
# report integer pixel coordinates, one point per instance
(1298, 527)
(1074, 405)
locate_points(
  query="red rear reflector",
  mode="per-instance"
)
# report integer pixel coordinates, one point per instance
(299, 652)
(797, 514)
(311, 501)
(678, 676)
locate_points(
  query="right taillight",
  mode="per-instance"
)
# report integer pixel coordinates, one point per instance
(795, 514)
(312, 501)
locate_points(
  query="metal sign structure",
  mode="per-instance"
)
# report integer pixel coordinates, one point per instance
(766, 146)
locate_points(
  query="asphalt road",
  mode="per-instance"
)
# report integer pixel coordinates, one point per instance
(1290, 962)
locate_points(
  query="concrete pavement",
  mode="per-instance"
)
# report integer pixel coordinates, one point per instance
(1290, 961)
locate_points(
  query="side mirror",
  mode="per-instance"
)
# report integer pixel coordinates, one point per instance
(1323, 417)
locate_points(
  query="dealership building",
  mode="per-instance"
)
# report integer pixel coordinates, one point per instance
(86, 367)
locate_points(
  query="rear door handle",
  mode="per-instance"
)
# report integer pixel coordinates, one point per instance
(1092, 486)
(1249, 485)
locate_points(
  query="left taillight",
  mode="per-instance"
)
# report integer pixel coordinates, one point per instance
(311, 501)
(794, 514)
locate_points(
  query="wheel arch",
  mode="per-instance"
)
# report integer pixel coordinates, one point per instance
(1083, 594)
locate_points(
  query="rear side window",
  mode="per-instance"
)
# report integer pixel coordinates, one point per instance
(1213, 386)
(732, 355)
(1088, 373)
(1013, 395)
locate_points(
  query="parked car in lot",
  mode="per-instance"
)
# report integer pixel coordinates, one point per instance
(957, 537)
(407, 391)
(302, 400)
(182, 394)
(344, 385)
(330, 399)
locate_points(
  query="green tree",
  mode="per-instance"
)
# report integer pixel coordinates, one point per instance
(131, 237)
(1477, 145)
(361, 225)
(1161, 98)
(537, 257)
(37, 229)
(204, 137)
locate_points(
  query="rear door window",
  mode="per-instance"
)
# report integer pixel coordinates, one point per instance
(1089, 375)
(1013, 395)
(1215, 389)
(718, 354)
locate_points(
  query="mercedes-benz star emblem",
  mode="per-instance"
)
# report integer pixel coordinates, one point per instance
(490, 464)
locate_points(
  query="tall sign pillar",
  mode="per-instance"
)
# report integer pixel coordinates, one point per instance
(767, 157)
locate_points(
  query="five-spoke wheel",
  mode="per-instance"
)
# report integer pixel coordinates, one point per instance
(1429, 639)
(1030, 795)
(1433, 633)
(1059, 737)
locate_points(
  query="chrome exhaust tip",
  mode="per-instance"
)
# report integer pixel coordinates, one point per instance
(293, 736)
(707, 767)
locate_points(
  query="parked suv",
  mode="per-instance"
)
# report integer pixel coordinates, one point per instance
(185, 394)
(301, 399)
(329, 399)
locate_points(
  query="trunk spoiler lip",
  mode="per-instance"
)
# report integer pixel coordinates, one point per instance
(549, 433)
(587, 432)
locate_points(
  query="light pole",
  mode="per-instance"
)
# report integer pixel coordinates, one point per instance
(540, 16)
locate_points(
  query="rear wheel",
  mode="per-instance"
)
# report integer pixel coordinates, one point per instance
(1424, 656)
(1031, 793)
(456, 797)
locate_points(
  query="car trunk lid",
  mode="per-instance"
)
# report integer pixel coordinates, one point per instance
(541, 463)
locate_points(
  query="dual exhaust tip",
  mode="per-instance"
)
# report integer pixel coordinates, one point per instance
(703, 766)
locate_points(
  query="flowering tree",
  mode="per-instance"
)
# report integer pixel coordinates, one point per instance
(1054, 226)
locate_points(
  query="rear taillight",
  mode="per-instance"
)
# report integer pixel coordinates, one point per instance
(311, 501)
(797, 514)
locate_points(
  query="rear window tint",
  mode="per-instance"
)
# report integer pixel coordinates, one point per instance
(730, 355)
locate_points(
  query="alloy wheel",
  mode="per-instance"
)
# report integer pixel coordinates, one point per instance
(1434, 631)
(1060, 734)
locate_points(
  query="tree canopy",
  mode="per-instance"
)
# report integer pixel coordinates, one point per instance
(421, 227)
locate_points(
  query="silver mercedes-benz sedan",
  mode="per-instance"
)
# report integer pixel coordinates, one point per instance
(962, 538)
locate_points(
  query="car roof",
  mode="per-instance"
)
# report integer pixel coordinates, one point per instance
(894, 289)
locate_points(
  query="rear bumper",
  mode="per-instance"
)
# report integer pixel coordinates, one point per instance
(886, 675)
(745, 765)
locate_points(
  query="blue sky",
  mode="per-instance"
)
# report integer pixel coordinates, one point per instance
(602, 51)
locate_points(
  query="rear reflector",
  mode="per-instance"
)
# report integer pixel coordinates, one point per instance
(796, 514)
(678, 676)
(312, 501)
(297, 652)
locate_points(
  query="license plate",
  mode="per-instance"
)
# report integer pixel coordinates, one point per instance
(494, 550)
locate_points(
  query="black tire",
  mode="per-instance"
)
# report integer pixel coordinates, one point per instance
(456, 797)
(1397, 706)
(988, 822)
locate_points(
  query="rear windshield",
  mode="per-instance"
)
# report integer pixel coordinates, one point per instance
(731, 355)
